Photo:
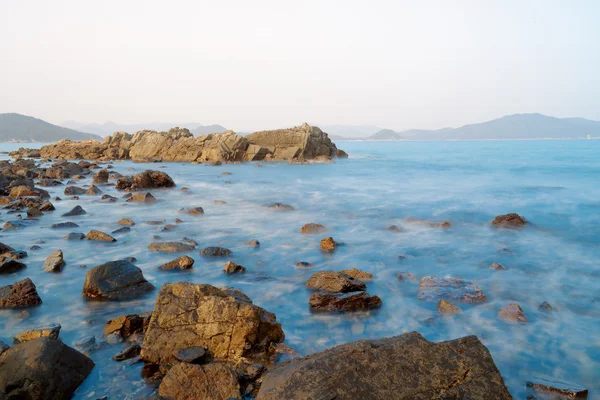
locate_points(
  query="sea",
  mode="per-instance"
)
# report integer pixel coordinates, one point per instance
(555, 185)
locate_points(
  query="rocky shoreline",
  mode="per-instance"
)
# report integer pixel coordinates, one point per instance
(205, 342)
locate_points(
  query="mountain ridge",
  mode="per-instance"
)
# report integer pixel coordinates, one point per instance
(20, 128)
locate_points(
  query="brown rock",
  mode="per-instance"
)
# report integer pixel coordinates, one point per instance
(115, 280)
(509, 220)
(328, 244)
(512, 313)
(232, 268)
(171, 247)
(93, 190)
(313, 228)
(183, 262)
(193, 211)
(446, 307)
(435, 289)
(358, 274)
(407, 276)
(557, 390)
(54, 262)
(20, 294)
(335, 282)
(497, 267)
(145, 198)
(215, 252)
(127, 325)
(101, 177)
(253, 243)
(146, 180)
(51, 330)
(213, 381)
(126, 222)
(10, 265)
(99, 236)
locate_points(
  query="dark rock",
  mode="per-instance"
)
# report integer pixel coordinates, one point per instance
(394, 228)
(50, 330)
(328, 245)
(47, 206)
(15, 254)
(77, 210)
(99, 236)
(253, 243)
(74, 236)
(101, 177)
(74, 191)
(554, 387)
(171, 247)
(407, 276)
(54, 262)
(313, 228)
(115, 280)
(10, 265)
(545, 306)
(93, 190)
(191, 381)
(232, 268)
(281, 207)
(435, 289)
(18, 224)
(122, 230)
(5, 248)
(42, 369)
(509, 220)
(63, 225)
(34, 212)
(352, 301)
(155, 222)
(146, 180)
(497, 267)
(107, 198)
(304, 264)
(183, 262)
(215, 252)
(145, 198)
(191, 355)
(193, 211)
(20, 294)
(130, 352)
(400, 367)
(3, 347)
(335, 282)
(512, 313)
(35, 248)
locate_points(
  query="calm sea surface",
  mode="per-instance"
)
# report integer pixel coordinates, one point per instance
(554, 184)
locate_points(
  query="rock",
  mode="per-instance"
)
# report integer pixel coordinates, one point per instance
(509, 220)
(191, 355)
(14, 254)
(146, 180)
(101, 177)
(3, 347)
(145, 198)
(557, 389)
(171, 247)
(236, 294)
(443, 224)
(99, 236)
(122, 230)
(304, 264)
(77, 210)
(42, 369)
(54, 262)
(74, 236)
(10, 266)
(435, 289)
(352, 301)
(400, 367)
(49, 182)
(214, 381)
(51, 330)
(394, 228)
(127, 325)
(253, 243)
(93, 190)
(407, 276)
(335, 282)
(512, 313)
(20, 294)
(339, 153)
(446, 307)
(183, 262)
(107, 198)
(18, 224)
(35, 248)
(126, 222)
(219, 202)
(497, 267)
(34, 212)
(27, 191)
(5, 248)
(86, 344)
(130, 352)
(215, 252)
(155, 222)
(357, 274)
(188, 314)
(63, 225)
(313, 228)
(193, 211)
(74, 191)
(232, 268)
(328, 244)
(281, 207)
(115, 280)
(545, 306)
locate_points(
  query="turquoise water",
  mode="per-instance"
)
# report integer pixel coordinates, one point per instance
(554, 184)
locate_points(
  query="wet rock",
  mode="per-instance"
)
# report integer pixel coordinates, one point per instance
(215, 252)
(339, 153)
(115, 280)
(10, 265)
(3, 347)
(446, 307)
(190, 355)
(4, 248)
(328, 245)
(63, 225)
(34, 212)
(122, 230)
(352, 301)
(54, 262)
(130, 352)
(35, 248)
(171, 247)
(335, 282)
(556, 389)
(93, 190)
(146, 180)
(219, 202)
(183, 262)
(20, 294)
(545, 306)
(145, 198)
(101, 177)
(126, 222)
(512, 313)
(497, 267)
(99, 236)
(435, 289)
(357, 274)
(74, 236)
(313, 228)
(443, 224)
(406, 276)
(155, 222)
(127, 325)
(74, 191)
(400, 367)
(280, 207)
(18, 224)
(509, 220)
(49, 182)
(107, 198)
(27, 191)
(15, 254)
(232, 268)
(253, 243)
(51, 330)
(86, 344)
(188, 314)
(304, 264)
(169, 227)
(192, 211)
(191, 381)
(75, 211)
(394, 228)
(42, 369)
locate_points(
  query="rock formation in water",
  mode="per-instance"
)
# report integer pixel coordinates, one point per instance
(299, 143)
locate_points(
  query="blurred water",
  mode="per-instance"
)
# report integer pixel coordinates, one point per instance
(554, 184)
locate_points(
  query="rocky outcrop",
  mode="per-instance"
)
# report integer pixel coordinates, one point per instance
(42, 369)
(230, 328)
(400, 367)
(201, 382)
(298, 143)
(115, 280)
(512, 313)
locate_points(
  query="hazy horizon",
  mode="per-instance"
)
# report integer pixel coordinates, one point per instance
(249, 66)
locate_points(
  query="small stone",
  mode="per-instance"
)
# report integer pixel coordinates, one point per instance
(497, 267)
(313, 228)
(122, 230)
(394, 228)
(231, 268)
(328, 244)
(156, 222)
(35, 248)
(281, 207)
(545, 306)
(74, 236)
(512, 313)
(99, 236)
(219, 202)
(352, 301)
(34, 212)
(183, 262)
(93, 190)
(63, 225)
(253, 243)
(192, 211)
(190, 355)
(54, 262)
(145, 198)
(407, 276)
(304, 264)
(509, 221)
(446, 307)
(126, 222)
(47, 206)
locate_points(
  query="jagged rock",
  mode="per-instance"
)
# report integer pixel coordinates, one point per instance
(101, 177)
(213, 381)
(74, 236)
(5, 248)
(357, 274)
(26, 191)
(335, 282)
(75, 211)
(20, 294)
(302, 142)
(183, 262)
(47, 206)
(51, 330)
(313, 228)
(54, 262)
(74, 191)
(232, 268)
(145, 198)
(171, 247)
(130, 352)
(188, 314)
(126, 222)
(509, 220)
(193, 211)
(435, 289)
(14, 254)
(215, 252)
(328, 245)
(63, 225)
(512, 313)
(34, 212)
(42, 369)
(352, 301)
(446, 307)
(400, 367)
(127, 325)
(115, 280)
(281, 207)
(99, 236)
(146, 180)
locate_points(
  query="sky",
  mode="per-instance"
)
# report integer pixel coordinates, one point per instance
(251, 65)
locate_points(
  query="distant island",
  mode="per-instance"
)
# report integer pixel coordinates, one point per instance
(23, 129)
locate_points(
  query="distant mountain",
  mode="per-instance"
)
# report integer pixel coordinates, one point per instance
(21, 128)
(108, 128)
(347, 132)
(385, 134)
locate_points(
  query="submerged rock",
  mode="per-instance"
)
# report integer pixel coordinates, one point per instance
(304, 264)
(171, 247)
(328, 245)
(335, 282)
(435, 289)
(74, 236)
(400, 367)
(193, 211)
(545, 306)
(183, 262)
(54, 262)
(497, 266)
(509, 220)
(313, 228)
(20, 294)
(446, 307)
(281, 207)
(215, 252)
(253, 243)
(63, 225)
(352, 301)
(191, 381)
(394, 228)
(512, 313)
(42, 369)
(115, 280)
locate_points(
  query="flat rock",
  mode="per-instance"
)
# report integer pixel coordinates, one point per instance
(193, 211)
(63, 225)
(280, 207)
(54, 262)
(20, 294)
(171, 247)
(335, 282)
(183, 262)
(352, 301)
(115, 280)
(191, 355)
(446, 307)
(435, 289)
(51, 330)
(74, 191)
(126, 222)
(215, 252)
(213, 381)
(99, 236)
(357, 274)
(313, 228)
(509, 220)
(124, 229)
(400, 367)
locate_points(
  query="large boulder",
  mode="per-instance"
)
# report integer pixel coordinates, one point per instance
(230, 328)
(20, 294)
(213, 381)
(400, 367)
(115, 280)
(42, 369)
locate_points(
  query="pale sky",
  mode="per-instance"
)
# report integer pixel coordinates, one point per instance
(263, 64)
